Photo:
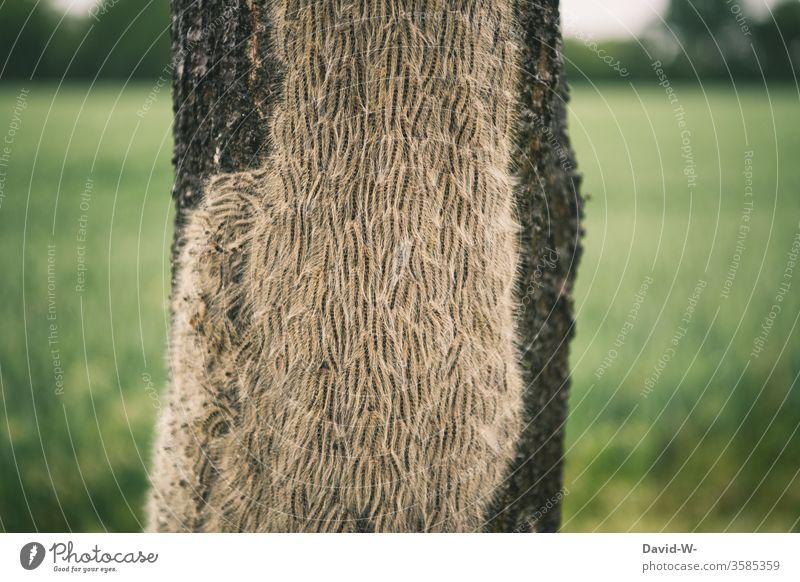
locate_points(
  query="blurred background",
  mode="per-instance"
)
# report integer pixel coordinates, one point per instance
(685, 404)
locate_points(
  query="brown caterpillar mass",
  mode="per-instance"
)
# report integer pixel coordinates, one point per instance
(342, 353)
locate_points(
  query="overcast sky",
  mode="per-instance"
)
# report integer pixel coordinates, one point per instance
(609, 18)
(595, 18)
(625, 18)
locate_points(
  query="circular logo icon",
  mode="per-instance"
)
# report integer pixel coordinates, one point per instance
(31, 555)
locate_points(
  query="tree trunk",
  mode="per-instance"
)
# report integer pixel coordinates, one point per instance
(235, 92)
(550, 209)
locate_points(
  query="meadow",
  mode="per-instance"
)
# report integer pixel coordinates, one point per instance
(685, 405)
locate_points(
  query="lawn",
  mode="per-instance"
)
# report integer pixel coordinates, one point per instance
(674, 423)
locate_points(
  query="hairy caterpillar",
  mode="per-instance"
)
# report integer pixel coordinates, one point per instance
(342, 351)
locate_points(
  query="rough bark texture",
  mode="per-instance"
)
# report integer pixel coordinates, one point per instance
(225, 88)
(550, 209)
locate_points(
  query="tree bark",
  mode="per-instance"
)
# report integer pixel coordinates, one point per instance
(225, 87)
(550, 209)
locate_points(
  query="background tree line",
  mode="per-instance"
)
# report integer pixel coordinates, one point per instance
(121, 39)
(710, 40)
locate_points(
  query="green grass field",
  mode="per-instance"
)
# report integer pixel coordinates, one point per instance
(705, 440)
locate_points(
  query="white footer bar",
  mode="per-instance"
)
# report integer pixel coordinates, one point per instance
(441, 557)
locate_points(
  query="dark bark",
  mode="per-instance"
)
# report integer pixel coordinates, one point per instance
(550, 210)
(224, 87)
